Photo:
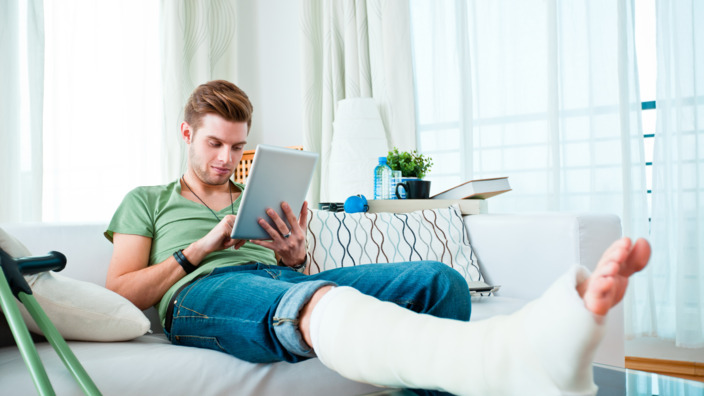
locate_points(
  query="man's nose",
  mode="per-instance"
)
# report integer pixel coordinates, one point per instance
(225, 155)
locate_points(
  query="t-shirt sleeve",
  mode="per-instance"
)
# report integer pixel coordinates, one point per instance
(134, 216)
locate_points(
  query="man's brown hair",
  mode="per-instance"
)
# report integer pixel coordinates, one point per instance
(218, 97)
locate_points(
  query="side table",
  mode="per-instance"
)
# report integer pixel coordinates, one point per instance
(467, 206)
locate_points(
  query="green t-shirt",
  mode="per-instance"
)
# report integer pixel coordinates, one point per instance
(174, 222)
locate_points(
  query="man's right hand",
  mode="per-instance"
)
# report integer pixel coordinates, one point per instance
(218, 238)
(130, 275)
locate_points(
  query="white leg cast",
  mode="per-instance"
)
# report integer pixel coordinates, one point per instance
(547, 347)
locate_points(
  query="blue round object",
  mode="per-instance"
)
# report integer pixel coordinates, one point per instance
(356, 204)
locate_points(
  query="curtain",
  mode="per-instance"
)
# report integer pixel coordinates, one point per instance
(670, 298)
(198, 45)
(544, 92)
(21, 103)
(355, 48)
(102, 107)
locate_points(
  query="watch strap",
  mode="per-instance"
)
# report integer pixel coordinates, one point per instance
(183, 261)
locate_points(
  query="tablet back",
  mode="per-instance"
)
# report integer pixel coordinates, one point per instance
(277, 175)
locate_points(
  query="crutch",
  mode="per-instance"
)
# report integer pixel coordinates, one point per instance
(12, 283)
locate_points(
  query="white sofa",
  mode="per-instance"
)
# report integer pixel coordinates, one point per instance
(522, 253)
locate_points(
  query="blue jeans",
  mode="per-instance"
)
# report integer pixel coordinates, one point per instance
(251, 311)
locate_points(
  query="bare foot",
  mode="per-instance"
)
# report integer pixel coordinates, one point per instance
(607, 284)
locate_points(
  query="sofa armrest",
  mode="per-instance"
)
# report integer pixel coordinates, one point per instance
(525, 253)
(87, 251)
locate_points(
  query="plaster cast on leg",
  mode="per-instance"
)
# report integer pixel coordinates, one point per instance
(546, 347)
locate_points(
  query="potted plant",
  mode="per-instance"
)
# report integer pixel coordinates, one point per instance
(413, 166)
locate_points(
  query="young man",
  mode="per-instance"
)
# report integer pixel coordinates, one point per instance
(392, 324)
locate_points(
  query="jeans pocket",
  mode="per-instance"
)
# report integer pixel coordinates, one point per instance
(273, 273)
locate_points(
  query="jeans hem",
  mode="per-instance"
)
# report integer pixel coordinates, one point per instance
(286, 318)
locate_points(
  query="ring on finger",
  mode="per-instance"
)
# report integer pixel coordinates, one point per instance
(287, 235)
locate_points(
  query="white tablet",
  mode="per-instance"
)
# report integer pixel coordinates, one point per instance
(277, 175)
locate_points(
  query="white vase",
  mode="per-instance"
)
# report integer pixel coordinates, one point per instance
(358, 141)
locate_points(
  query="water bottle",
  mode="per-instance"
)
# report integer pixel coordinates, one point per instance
(382, 180)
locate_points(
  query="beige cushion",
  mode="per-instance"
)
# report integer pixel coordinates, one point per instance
(80, 310)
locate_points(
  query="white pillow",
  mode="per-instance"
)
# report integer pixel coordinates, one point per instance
(80, 310)
(339, 239)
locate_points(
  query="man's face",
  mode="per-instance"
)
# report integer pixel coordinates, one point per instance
(215, 148)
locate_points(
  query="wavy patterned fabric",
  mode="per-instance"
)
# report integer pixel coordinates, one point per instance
(339, 239)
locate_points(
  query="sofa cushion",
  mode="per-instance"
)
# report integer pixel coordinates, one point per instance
(485, 307)
(339, 239)
(151, 365)
(79, 310)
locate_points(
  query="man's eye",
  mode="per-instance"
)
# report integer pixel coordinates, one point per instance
(237, 148)
(214, 144)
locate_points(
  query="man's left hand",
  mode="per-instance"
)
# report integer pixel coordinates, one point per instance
(289, 244)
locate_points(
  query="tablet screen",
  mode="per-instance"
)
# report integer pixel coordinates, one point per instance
(277, 175)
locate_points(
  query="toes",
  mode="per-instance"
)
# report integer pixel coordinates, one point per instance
(600, 295)
(617, 252)
(618, 249)
(637, 258)
(609, 280)
(604, 287)
(608, 267)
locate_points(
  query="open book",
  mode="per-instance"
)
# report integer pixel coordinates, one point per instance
(477, 287)
(476, 189)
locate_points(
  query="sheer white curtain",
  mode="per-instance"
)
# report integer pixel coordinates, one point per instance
(21, 101)
(544, 92)
(356, 48)
(102, 112)
(197, 45)
(669, 301)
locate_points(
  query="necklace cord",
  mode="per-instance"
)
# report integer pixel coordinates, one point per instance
(232, 209)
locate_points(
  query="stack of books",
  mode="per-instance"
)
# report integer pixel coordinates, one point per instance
(476, 189)
(470, 196)
(467, 206)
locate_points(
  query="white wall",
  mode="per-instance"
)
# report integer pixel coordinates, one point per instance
(269, 69)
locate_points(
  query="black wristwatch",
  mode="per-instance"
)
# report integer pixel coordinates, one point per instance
(183, 262)
(298, 267)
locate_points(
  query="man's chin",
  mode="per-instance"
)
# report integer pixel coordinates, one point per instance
(218, 180)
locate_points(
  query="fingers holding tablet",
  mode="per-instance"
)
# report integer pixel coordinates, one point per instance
(303, 217)
(282, 228)
(287, 242)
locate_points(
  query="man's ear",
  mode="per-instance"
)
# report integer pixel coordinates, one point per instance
(186, 132)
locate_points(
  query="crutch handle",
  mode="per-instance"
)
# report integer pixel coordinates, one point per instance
(53, 261)
(15, 268)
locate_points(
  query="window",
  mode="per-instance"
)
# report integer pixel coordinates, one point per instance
(452, 119)
(440, 133)
(647, 73)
